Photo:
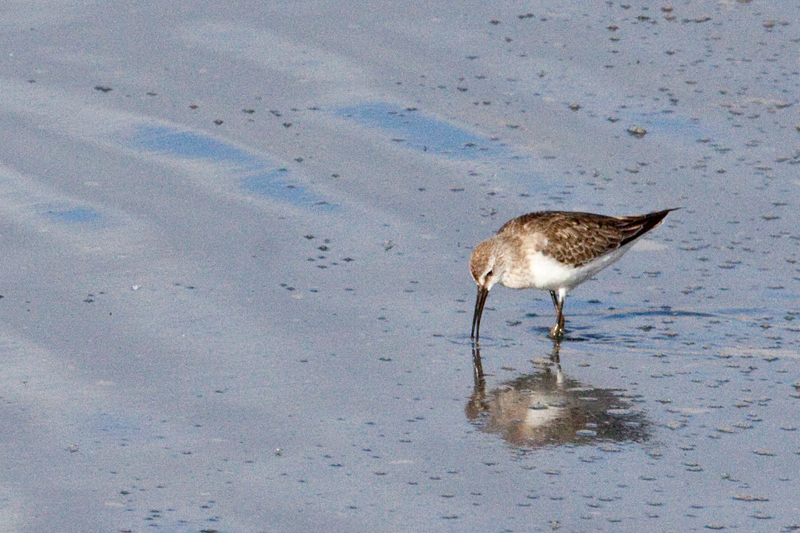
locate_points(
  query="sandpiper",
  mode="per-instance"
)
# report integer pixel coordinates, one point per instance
(554, 251)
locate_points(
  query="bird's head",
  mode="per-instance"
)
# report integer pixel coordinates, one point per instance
(486, 264)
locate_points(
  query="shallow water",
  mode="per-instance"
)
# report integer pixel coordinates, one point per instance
(234, 279)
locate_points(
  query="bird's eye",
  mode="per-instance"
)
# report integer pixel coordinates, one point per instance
(488, 275)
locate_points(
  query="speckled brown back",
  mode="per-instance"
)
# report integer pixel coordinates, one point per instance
(577, 238)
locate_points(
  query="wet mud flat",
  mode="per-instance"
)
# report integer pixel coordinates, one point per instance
(234, 268)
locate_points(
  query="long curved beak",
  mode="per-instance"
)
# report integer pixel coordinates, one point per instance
(476, 318)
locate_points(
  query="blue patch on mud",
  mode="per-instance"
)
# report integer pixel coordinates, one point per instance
(259, 176)
(413, 129)
(76, 214)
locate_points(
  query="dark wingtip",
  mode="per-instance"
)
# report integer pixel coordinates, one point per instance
(639, 225)
(661, 214)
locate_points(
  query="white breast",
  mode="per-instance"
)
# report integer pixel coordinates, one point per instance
(539, 271)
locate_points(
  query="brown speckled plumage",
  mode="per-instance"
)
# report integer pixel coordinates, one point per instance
(576, 238)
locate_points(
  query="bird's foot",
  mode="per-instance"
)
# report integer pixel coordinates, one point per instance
(557, 333)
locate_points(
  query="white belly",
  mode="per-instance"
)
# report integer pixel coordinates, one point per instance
(539, 271)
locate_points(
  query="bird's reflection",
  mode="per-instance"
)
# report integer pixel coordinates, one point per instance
(547, 409)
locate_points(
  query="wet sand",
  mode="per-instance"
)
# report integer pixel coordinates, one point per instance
(234, 280)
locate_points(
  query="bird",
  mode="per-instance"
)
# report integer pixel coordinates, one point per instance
(554, 251)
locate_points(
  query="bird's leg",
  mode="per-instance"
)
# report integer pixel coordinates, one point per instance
(558, 303)
(555, 299)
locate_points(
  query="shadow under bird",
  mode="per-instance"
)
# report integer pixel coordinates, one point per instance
(554, 251)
